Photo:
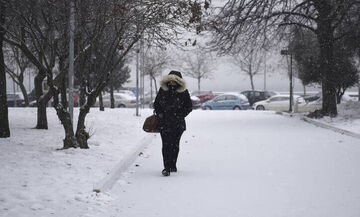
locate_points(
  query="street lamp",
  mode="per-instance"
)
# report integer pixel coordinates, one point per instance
(287, 52)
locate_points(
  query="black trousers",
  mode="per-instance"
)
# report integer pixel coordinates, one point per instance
(170, 147)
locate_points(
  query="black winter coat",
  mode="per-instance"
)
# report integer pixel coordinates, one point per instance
(171, 108)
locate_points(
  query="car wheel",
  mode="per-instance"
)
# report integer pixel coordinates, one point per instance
(260, 107)
(121, 106)
(237, 108)
(207, 108)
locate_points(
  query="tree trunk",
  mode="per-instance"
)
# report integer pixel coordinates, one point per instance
(151, 89)
(82, 94)
(23, 90)
(199, 79)
(304, 88)
(81, 135)
(252, 81)
(156, 90)
(41, 104)
(112, 100)
(326, 41)
(64, 101)
(101, 103)
(359, 91)
(4, 119)
(339, 94)
(64, 117)
(22, 87)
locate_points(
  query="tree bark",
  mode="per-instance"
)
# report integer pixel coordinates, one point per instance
(64, 101)
(81, 135)
(41, 104)
(64, 117)
(359, 91)
(252, 81)
(24, 92)
(20, 82)
(82, 94)
(156, 90)
(4, 119)
(326, 40)
(112, 101)
(101, 103)
(199, 79)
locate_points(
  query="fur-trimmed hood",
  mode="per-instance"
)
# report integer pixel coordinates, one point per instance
(172, 77)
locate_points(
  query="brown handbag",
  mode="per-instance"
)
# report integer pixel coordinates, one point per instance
(151, 124)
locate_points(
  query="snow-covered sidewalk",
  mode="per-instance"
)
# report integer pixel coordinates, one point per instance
(247, 164)
(231, 163)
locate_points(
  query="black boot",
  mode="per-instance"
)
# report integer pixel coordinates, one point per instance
(173, 169)
(166, 172)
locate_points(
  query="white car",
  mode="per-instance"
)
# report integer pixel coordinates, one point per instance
(121, 101)
(281, 103)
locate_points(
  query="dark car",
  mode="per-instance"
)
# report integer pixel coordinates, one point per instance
(194, 100)
(255, 95)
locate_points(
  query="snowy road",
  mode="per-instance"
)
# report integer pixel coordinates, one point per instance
(246, 164)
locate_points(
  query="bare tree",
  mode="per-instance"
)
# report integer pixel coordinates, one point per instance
(199, 64)
(37, 29)
(249, 61)
(239, 22)
(107, 32)
(16, 68)
(120, 75)
(118, 31)
(4, 120)
(156, 60)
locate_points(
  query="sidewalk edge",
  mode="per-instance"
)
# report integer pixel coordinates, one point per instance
(110, 179)
(322, 125)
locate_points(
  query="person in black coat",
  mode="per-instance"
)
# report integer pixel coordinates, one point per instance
(172, 104)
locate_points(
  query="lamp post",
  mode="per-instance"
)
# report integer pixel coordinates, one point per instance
(287, 52)
(137, 79)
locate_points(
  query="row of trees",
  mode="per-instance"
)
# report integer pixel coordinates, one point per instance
(241, 23)
(106, 34)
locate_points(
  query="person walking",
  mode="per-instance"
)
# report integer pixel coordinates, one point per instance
(172, 104)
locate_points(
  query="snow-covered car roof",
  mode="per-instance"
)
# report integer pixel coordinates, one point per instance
(285, 95)
(241, 96)
(195, 98)
(123, 96)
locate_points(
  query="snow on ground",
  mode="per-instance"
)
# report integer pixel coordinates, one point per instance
(38, 180)
(348, 117)
(231, 163)
(247, 164)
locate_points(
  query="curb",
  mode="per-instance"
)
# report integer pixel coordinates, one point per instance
(110, 179)
(322, 125)
(329, 127)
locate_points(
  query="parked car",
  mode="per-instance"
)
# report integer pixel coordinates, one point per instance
(15, 99)
(256, 96)
(227, 101)
(203, 95)
(128, 92)
(282, 102)
(276, 103)
(121, 101)
(196, 103)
